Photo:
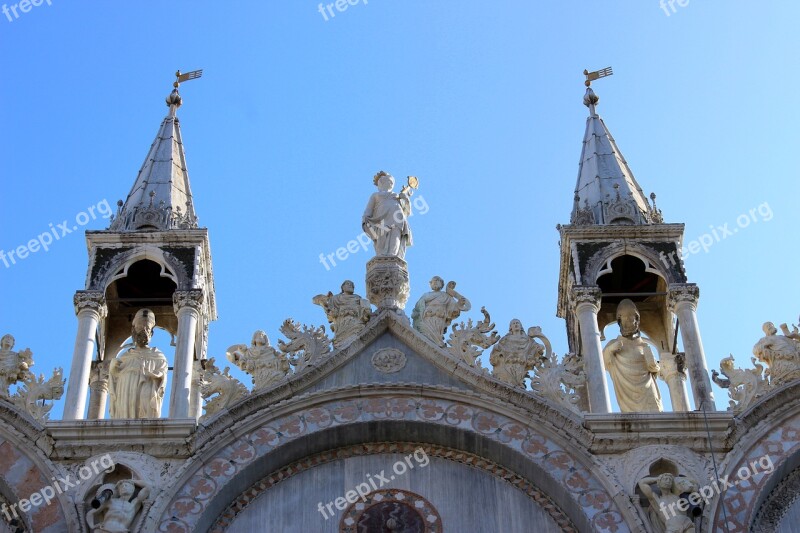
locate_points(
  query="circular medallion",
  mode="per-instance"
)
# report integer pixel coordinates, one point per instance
(389, 360)
(391, 511)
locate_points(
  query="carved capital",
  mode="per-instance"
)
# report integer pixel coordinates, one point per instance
(387, 282)
(192, 298)
(680, 293)
(94, 300)
(583, 295)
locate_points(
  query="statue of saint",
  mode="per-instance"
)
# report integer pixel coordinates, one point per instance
(139, 375)
(516, 353)
(118, 507)
(263, 362)
(385, 219)
(781, 353)
(435, 310)
(632, 366)
(663, 505)
(14, 366)
(347, 312)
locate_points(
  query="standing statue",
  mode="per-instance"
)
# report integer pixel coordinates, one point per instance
(781, 353)
(14, 366)
(116, 506)
(663, 505)
(517, 353)
(385, 218)
(436, 309)
(632, 366)
(347, 312)
(139, 375)
(263, 362)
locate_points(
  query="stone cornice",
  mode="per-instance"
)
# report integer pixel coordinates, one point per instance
(654, 232)
(618, 433)
(81, 439)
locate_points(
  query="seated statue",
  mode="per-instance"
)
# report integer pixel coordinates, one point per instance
(347, 312)
(263, 362)
(781, 353)
(14, 366)
(118, 508)
(632, 366)
(138, 377)
(435, 310)
(517, 353)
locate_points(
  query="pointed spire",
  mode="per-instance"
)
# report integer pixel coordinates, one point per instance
(161, 198)
(606, 191)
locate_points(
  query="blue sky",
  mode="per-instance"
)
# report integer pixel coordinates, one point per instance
(481, 100)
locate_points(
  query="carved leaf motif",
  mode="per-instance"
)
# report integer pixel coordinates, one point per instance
(467, 341)
(307, 344)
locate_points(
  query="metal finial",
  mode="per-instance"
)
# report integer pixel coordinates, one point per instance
(596, 75)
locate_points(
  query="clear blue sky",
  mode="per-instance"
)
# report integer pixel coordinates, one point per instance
(481, 100)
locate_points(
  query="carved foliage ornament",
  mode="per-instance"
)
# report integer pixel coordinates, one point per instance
(683, 293)
(191, 298)
(93, 300)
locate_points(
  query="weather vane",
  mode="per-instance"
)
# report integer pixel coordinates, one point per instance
(596, 75)
(180, 78)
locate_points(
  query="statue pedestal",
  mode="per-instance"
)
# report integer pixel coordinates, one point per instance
(387, 283)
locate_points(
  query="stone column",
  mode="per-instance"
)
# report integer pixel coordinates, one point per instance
(195, 399)
(188, 306)
(683, 302)
(387, 283)
(673, 371)
(586, 303)
(98, 390)
(90, 308)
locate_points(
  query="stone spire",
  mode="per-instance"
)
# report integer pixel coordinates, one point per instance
(161, 198)
(607, 192)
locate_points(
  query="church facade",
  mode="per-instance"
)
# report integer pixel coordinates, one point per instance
(400, 416)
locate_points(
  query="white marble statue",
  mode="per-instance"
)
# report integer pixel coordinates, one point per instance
(263, 362)
(14, 366)
(435, 310)
(517, 353)
(781, 353)
(664, 514)
(347, 312)
(385, 218)
(139, 375)
(118, 507)
(632, 366)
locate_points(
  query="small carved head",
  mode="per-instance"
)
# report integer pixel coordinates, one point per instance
(437, 283)
(260, 338)
(143, 323)
(384, 181)
(7, 342)
(628, 318)
(515, 327)
(666, 481)
(125, 489)
(348, 287)
(769, 329)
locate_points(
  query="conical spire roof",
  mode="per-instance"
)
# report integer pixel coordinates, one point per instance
(161, 198)
(607, 192)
